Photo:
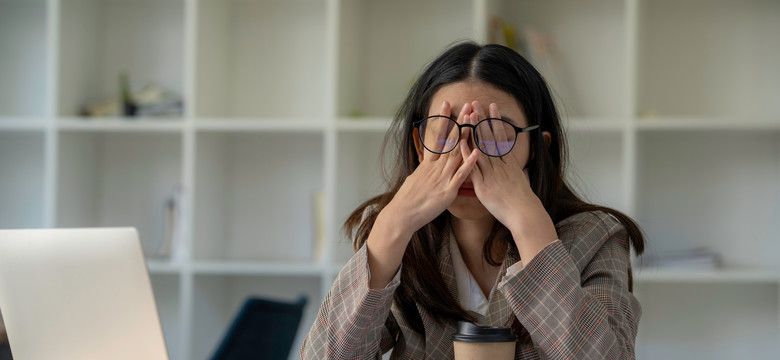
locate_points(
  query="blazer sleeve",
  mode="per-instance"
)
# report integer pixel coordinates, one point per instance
(573, 297)
(354, 321)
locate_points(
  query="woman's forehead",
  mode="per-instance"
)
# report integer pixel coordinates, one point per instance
(460, 93)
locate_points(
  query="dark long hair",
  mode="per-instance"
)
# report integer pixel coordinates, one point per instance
(421, 282)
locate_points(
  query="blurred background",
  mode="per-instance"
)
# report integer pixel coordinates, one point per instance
(237, 135)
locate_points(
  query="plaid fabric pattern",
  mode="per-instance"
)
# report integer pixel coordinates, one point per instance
(572, 298)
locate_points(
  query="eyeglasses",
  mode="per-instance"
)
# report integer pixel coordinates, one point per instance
(493, 137)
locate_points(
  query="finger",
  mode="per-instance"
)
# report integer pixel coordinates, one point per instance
(461, 152)
(446, 108)
(465, 136)
(504, 132)
(450, 137)
(465, 169)
(465, 148)
(450, 133)
(436, 131)
(486, 138)
(484, 160)
(476, 172)
(455, 134)
(478, 109)
(453, 161)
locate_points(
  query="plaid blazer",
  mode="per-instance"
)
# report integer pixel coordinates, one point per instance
(573, 298)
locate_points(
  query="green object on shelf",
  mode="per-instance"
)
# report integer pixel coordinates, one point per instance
(129, 106)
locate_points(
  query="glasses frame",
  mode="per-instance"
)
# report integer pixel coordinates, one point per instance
(418, 123)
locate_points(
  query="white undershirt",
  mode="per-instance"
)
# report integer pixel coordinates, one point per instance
(470, 295)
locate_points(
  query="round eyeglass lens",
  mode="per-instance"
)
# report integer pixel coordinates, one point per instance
(495, 137)
(439, 134)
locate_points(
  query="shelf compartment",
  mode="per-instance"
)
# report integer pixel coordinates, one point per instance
(587, 67)
(380, 55)
(595, 169)
(217, 299)
(167, 296)
(22, 186)
(100, 39)
(254, 196)
(118, 179)
(707, 53)
(680, 321)
(23, 37)
(711, 189)
(359, 167)
(262, 58)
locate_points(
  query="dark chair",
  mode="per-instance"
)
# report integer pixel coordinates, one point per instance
(262, 329)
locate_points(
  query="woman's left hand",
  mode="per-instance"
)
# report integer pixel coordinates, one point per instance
(503, 187)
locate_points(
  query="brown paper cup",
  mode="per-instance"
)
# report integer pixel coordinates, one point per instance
(473, 342)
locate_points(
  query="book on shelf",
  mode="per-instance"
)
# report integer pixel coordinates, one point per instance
(171, 245)
(3, 335)
(318, 206)
(540, 49)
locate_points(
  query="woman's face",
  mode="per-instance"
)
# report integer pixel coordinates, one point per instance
(466, 206)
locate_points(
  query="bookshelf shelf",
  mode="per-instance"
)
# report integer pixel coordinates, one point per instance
(595, 124)
(260, 125)
(152, 125)
(709, 124)
(161, 267)
(725, 275)
(377, 124)
(292, 269)
(670, 110)
(14, 123)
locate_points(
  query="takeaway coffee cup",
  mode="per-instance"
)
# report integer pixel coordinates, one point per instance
(473, 342)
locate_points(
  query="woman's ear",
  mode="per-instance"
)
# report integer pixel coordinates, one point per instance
(418, 144)
(547, 140)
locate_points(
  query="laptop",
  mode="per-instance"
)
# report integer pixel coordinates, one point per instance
(78, 294)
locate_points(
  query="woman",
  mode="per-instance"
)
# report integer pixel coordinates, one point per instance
(479, 225)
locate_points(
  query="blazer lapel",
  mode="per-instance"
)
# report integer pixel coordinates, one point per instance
(446, 269)
(498, 312)
(438, 337)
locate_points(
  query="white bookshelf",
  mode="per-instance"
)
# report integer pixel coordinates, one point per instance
(671, 111)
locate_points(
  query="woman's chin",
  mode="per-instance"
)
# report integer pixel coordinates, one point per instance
(468, 208)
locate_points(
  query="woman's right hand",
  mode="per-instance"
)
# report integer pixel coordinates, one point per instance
(423, 196)
(434, 184)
